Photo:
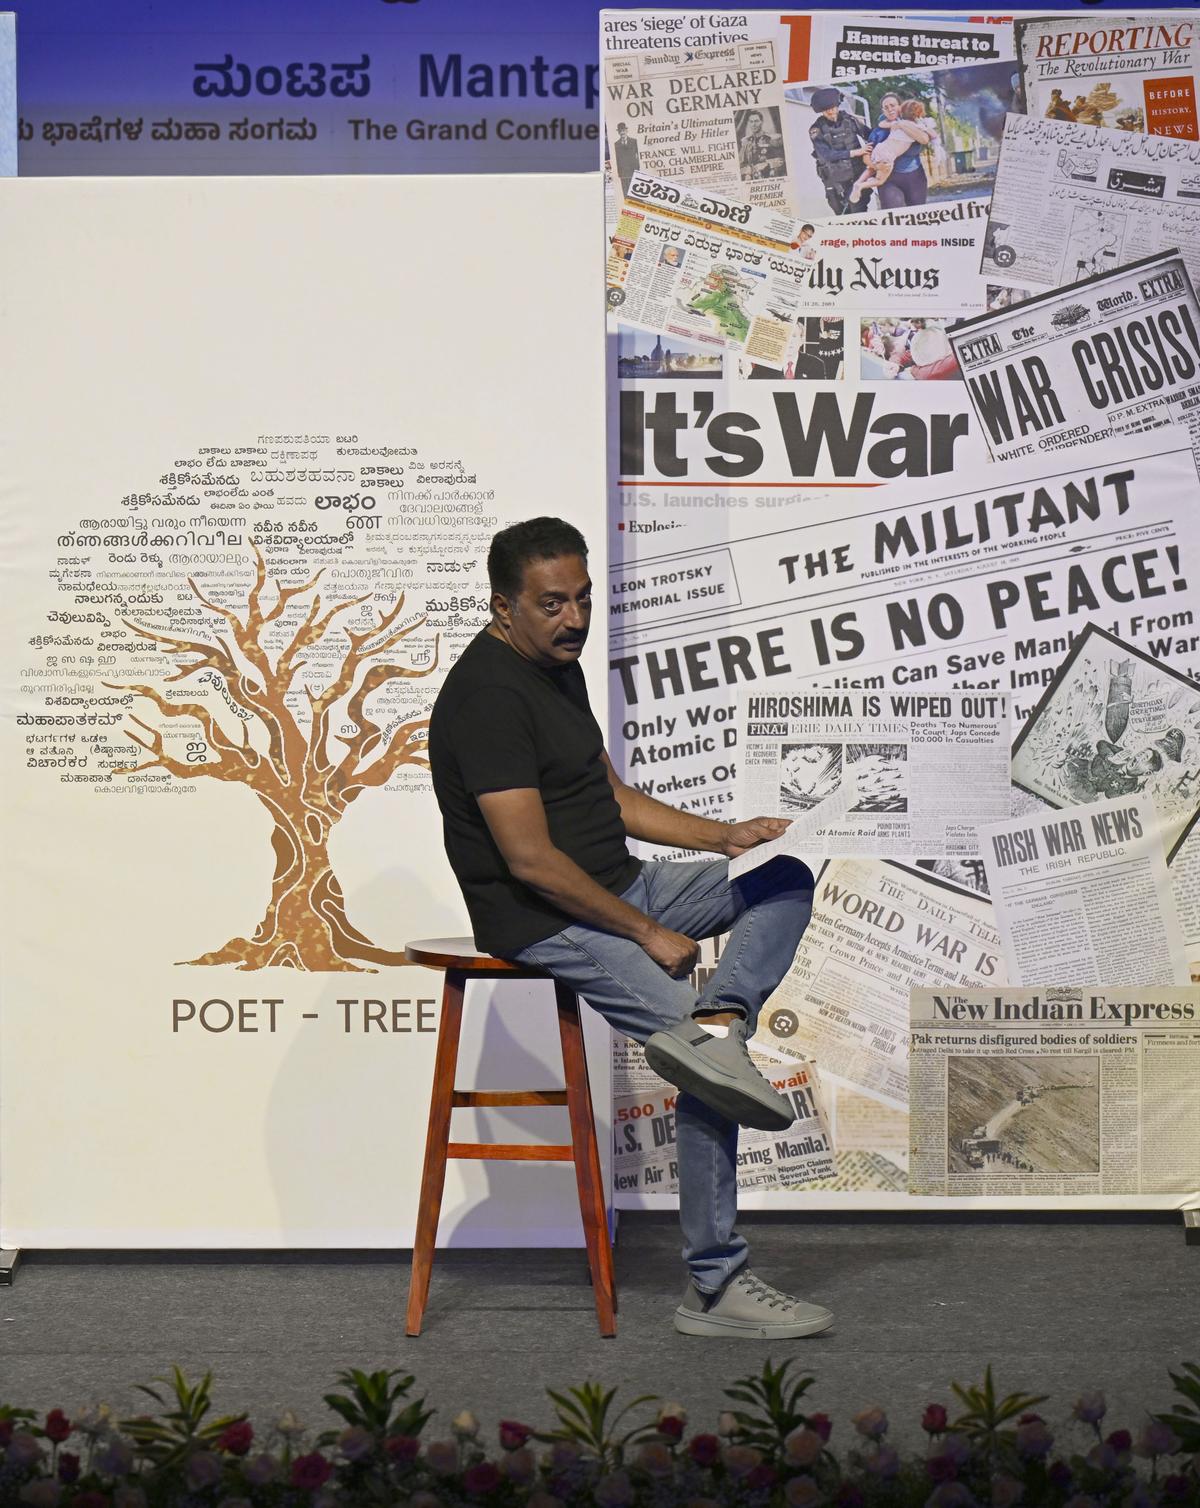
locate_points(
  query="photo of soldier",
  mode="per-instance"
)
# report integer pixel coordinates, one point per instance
(627, 155)
(760, 144)
(839, 145)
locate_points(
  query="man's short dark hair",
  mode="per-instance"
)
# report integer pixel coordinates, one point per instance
(534, 539)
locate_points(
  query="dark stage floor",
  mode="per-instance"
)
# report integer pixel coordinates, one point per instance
(1057, 1305)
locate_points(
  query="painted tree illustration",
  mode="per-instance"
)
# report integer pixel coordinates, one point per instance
(295, 774)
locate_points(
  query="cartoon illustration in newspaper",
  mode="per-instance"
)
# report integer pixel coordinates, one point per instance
(1115, 722)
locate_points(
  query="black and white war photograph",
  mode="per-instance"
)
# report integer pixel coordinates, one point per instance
(1023, 1114)
(1115, 722)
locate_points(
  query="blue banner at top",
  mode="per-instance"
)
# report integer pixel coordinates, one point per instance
(321, 86)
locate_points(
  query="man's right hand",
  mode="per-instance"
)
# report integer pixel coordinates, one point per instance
(672, 951)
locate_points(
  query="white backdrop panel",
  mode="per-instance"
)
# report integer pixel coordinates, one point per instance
(143, 321)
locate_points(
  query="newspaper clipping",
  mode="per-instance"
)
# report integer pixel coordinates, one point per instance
(1117, 352)
(1135, 73)
(1071, 201)
(877, 930)
(1066, 1090)
(697, 97)
(887, 773)
(644, 1150)
(718, 272)
(974, 586)
(1083, 894)
(1115, 721)
(928, 140)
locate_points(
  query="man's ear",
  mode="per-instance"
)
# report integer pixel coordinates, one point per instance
(501, 608)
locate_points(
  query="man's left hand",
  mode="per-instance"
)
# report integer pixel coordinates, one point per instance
(739, 836)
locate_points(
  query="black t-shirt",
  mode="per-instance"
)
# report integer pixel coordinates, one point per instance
(501, 723)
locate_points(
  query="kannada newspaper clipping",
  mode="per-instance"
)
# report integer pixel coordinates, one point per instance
(1083, 894)
(877, 930)
(1071, 201)
(1118, 352)
(1137, 73)
(887, 773)
(1063, 1090)
(721, 274)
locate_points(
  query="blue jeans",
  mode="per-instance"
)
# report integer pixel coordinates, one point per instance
(765, 913)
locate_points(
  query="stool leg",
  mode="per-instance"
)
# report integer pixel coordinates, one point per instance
(587, 1158)
(433, 1178)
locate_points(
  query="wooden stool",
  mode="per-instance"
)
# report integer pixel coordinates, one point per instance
(462, 961)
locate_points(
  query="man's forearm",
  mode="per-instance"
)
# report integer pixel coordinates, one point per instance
(655, 822)
(558, 879)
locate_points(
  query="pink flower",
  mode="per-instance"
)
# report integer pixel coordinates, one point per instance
(801, 1492)
(115, 1459)
(203, 1469)
(261, 1469)
(68, 1467)
(933, 1420)
(481, 1478)
(518, 1466)
(704, 1449)
(1157, 1439)
(57, 1426)
(355, 1443)
(1033, 1438)
(654, 1459)
(823, 1425)
(1006, 1491)
(762, 1476)
(24, 1449)
(802, 1447)
(670, 1426)
(614, 1491)
(883, 1463)
(727, 1424)
(1090, 1408)
(401, 1449)
(563, 1455)
(513, 1434)
(441, 1456)
(740, 1460)
(311, 1471)
(871, 1422)
(236, 1438)
(944, 1464)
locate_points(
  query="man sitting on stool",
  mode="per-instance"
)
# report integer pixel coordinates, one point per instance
(536, 820)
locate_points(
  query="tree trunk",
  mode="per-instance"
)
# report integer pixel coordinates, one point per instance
(305, 925)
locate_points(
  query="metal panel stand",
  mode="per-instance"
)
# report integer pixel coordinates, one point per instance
(9, 1262)
(1191, 1227)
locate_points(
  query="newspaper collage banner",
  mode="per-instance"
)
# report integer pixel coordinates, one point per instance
(906, 384)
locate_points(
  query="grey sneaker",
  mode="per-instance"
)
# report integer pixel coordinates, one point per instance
(718, 1071)
(748, 1306)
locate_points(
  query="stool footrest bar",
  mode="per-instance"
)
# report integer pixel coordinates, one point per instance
(510, 1151)
(484, 1097)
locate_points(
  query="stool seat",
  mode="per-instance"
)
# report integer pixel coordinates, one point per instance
(461, 961)
(460, 953)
